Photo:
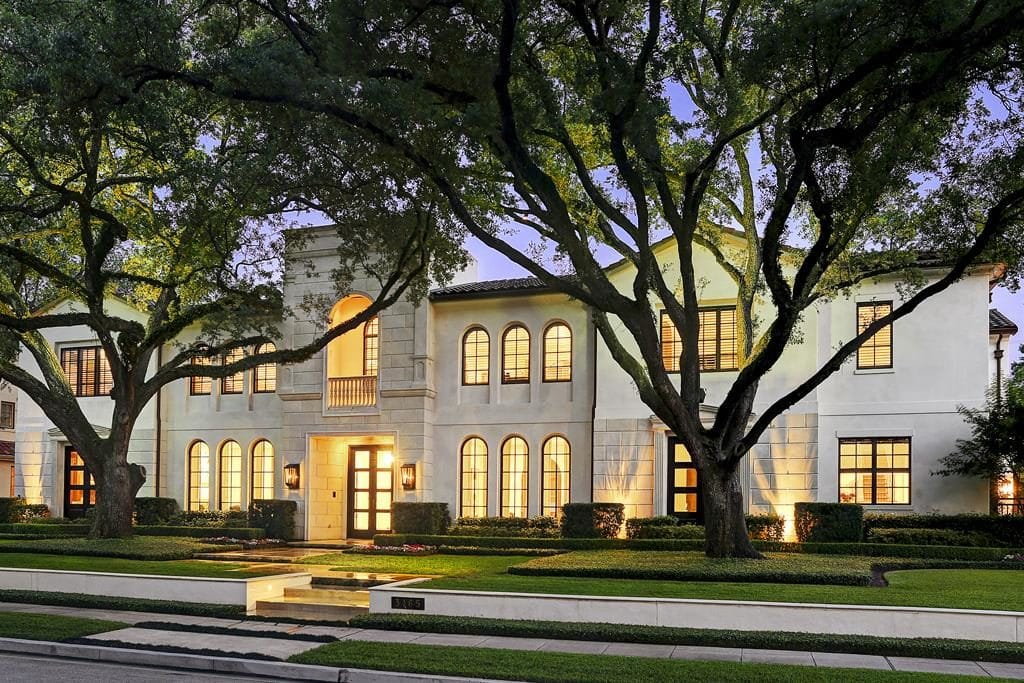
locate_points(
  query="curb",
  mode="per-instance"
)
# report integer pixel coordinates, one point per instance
(221, 665)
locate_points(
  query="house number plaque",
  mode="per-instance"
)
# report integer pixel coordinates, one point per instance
(407, 603)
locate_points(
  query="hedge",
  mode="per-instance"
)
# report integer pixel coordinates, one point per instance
(971, 650)
(917, 536)
(691, 531)
(420, 518)
(1008, 529)
(243, 533)
(276, 518)
(45, 530)
(512, 542)
(149, 510)
(718, 572)
(766, 527)
(940, 552)
(210, 518)
(592, 520)
(14, 510)
(199, 609)
(829, 522)
(543, 526)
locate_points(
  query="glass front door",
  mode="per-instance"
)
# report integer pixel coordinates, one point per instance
(683, 484)
(370, 485)
(79, 485)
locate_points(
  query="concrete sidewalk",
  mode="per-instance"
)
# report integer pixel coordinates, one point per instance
(248, 640)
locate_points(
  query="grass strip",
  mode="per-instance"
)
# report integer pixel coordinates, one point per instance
(118, 565)
(136, 548)
(226, 631)
(557, 667)
(196, 609)
(51, 627)
(937, 648)
(173, 649)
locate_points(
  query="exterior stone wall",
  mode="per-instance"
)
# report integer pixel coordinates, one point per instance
(624, 465)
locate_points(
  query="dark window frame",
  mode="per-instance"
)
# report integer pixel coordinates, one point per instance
(368, 346)
(868, 343)
(556, 510)
(544, 353)
(525, 473)
(504, 355)
(223, 484)
(99, 384)
(263, 471)
(463, 456)
(264, 376)
(4, 407)
(195, 502)
(874, 440)
(228, 382)
(477, 356)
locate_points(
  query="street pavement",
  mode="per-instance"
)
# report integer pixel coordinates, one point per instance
(45, 669)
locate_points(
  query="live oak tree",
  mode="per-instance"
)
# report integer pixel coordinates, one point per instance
(118, 188)
(844, 139)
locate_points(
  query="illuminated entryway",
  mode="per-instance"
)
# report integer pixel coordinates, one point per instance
(683, 484)
(371, 484)
(79, 485)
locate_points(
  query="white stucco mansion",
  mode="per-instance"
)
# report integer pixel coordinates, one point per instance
(499, 399)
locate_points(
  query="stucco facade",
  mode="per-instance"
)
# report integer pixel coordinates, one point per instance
(392, 406)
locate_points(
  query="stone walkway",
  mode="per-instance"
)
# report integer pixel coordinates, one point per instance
(248, 640)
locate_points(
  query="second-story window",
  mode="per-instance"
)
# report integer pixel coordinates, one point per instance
(200, 386)
(557, 353)
(264, 377)
(6, 414)
(876, 352)
(232, 384)
(716, 340)
(476, 357)
(515, 356)
(87, 370)
(371, 347)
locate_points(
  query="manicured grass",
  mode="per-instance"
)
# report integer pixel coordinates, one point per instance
(50, 627)
(439, 565)
(556, 667)
(695, 566)
(220, 570)
(941, 648)
(957, 588)
(138, 547)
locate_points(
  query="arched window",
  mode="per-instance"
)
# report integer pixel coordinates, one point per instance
(262, 476)
(371, 346)
(476, 357)
(557, 353)
(556, 476)
(474, 478)
(232, 384)
(198, 477)
(515, 471)
(200, 386)
(515, 356)
(264, 377)
(230, 462)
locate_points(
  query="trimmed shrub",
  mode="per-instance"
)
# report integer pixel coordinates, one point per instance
(275, 517)
(766, 527)
(912, 536)
(939, 552)
(691, 531)
(210, 519)
(15, 510)
(1007, 529)
(592, 520)
(522, 527)
(243, 533)
(35, 512)
(828, 522)
(44, 530)
(420, 518)
(512, 542)
(635, 524)
(150, 510)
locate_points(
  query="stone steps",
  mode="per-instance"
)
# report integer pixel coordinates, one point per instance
(322, 603)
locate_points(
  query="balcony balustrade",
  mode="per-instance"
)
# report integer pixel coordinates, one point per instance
(352, 392)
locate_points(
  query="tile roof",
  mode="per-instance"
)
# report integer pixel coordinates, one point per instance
(999, 323)
(508, 286)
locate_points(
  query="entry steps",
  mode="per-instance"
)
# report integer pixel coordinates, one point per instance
(316, 602)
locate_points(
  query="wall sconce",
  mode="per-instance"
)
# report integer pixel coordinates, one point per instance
(409, 477)
(291, 476)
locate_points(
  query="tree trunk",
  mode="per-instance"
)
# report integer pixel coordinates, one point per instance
(117, 482)
(725, 525)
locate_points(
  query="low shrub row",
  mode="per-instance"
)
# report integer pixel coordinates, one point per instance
(989, 651)
(764, 527)
(916, 536)
(828, 522)
(1005, 529)
(137, 548)
(940, 552)
(523, 527)
(592, 520)
(476, 550)
(14, 510)
(198, 609)
(700, 572)
(44, 530)
(263, 519)
(420, 518)
(241, 533)
(512, 542)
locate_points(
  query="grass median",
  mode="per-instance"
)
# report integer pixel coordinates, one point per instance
(427, 565)
(115, 565)
(50, 627)
(556, 667)
(136, 548)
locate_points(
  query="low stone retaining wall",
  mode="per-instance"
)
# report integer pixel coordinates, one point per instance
(897, 622)
(181, 588)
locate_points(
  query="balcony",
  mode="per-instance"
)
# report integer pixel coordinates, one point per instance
(351, 392)
(1011, 506)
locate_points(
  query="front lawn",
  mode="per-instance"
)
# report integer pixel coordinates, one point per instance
(429, 565)
(955, 588)
(200, 568)
(557, 667)
(137, 547)
(51, 627)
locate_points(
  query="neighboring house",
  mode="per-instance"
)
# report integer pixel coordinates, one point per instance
(500, 399)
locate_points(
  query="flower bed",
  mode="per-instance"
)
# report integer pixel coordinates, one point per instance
(404, 549)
